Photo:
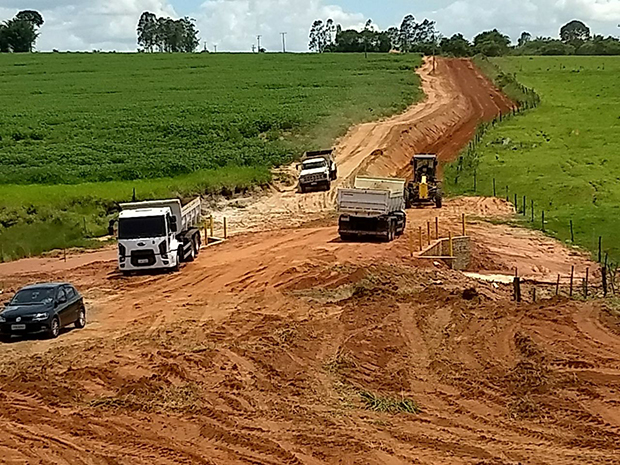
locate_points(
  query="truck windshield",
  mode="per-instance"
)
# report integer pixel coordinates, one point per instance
(314, 165)
(141, 228)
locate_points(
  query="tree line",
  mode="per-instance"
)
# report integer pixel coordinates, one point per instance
(422, 37)
(166, 34)
(412, 36)
(19, 35)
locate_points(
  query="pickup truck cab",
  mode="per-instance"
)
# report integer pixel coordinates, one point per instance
(318, 170)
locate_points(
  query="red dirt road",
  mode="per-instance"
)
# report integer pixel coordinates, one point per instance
(263, 350)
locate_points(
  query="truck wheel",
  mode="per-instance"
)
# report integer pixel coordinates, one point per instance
(302, 189)
(177, 267)
(192, 251)
(197, 243)
(438, 201)
(328, 185)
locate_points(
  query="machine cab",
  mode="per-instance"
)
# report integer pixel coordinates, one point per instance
(424, 166)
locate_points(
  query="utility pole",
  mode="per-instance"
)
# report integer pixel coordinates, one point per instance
(215, 47)
(283, 34)
(258, 37)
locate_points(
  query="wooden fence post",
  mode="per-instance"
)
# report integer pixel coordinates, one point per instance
(524, 206)
(494, 191)
(450, 244)
(517, 289)
(421, 245)
(557, 286)
(572, 276)
(464, 221)
(437, 227)
(572, 234)
(411, 245)
(585, 288)
(225, 229)
(428, 232)
(543, 221)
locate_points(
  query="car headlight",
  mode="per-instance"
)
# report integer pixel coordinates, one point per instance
(2, 319)
(40, 316)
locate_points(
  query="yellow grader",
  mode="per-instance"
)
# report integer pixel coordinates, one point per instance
(425, 188)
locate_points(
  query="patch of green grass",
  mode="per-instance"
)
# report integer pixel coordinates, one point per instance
(79, 131)
(388, 404)
(562, 155)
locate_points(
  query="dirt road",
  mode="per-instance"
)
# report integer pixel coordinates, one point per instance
(287, 346)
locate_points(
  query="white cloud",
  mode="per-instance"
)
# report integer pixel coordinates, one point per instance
(235, 24)
(540, 17)
(94, 24)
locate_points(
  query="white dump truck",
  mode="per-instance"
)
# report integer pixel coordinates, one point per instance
(318, 170)
(158, 234)
(375, 207)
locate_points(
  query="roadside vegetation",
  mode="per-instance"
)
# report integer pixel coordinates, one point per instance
(78, 132)
(562, 155)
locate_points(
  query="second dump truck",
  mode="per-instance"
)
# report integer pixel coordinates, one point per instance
(158, 234)
(374, 207)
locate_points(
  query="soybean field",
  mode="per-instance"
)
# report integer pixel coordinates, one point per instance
(78, 132)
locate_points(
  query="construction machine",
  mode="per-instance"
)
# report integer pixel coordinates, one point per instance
(425, 188)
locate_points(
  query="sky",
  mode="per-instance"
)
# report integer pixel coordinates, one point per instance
(233, 25)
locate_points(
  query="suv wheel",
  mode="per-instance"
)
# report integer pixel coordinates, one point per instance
(81, 321)
(54, 330)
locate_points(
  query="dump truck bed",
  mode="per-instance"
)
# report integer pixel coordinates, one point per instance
(372, 197)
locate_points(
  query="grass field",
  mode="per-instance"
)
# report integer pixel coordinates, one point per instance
(562, 155)
(78, 131)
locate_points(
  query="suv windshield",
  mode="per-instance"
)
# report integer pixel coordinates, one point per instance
(38, 295)
(140, 228)
(314, 165)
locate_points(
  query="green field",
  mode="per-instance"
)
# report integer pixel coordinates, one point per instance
(564, 155)
(79, 131)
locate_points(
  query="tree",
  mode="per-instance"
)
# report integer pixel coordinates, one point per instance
(147, 28)
(317, 37)
(20, 35)
(457, 46)
(393, 34)
(575, 33)
(352, 41)
(4, 40)
(525, 38)
(407, 33)
(189, 41)
(31, 16)
(491, 43)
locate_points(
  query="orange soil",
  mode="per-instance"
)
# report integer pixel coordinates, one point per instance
(261, 350)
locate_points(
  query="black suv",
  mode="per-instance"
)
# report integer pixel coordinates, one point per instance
(43, 308)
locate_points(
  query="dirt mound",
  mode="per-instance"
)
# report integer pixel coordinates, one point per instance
(319, 363)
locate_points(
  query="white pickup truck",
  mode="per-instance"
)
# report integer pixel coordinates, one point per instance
(318, 170)
(375, 207)
(158, 234)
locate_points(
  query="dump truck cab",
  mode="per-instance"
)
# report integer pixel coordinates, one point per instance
(425, 188)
